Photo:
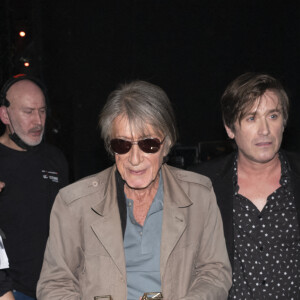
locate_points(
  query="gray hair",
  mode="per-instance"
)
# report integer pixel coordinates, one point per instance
(143, 104)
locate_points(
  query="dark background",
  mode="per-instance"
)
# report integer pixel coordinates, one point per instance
(191, 48)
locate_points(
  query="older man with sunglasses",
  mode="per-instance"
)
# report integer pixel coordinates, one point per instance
(141, 225)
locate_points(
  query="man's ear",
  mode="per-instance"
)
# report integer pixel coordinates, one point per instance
(230, 133)
(4, 115)
(166, 147)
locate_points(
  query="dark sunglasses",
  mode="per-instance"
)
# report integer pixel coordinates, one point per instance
(149, 145)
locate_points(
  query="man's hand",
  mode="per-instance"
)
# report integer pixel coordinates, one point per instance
(2, 185)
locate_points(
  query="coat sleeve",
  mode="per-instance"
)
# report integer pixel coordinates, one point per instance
(61, 269)
(212, 270)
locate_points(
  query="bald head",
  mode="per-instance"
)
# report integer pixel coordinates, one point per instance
(26, 113)
(23, 90)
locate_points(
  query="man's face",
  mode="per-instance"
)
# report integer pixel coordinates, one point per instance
(259, 134)
(137, 168)
(27, 111)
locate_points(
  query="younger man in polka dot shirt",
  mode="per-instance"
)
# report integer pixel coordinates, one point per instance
(258, 191)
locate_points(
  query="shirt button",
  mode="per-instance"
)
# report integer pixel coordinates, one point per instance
(261, 248)
(95, 183)
(141, 233)
(259, 217)
(263, 282)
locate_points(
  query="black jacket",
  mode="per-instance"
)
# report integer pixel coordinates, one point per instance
(221, 172)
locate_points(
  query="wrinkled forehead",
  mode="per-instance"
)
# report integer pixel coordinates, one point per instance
(134, 127)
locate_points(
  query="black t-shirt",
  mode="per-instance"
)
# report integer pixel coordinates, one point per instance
(5, 282)
(32, 181)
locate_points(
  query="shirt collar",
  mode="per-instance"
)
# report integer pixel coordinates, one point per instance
(284, 178)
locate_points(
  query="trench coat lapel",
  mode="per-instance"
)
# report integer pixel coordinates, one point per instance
(110, 236)
(174, 216)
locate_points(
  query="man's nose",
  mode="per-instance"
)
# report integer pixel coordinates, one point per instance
(264, 128)
(135, 155)
(38, 117)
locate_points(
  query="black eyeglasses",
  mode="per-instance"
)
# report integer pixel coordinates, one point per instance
(148, 145)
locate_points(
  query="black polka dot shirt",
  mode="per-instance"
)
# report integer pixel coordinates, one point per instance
(266, 245)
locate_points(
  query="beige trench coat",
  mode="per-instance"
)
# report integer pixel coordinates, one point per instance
(85, 257)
